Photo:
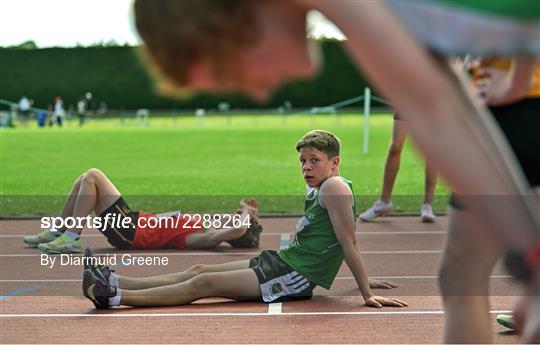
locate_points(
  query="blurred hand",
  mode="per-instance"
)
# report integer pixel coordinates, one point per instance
(382, 284)
(527, 316)
(250, 205)
(379, 302)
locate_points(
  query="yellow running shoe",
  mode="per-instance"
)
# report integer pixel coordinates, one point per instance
(61, 245)
(42, 237)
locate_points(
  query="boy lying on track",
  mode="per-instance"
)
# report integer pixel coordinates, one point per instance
(124, 228)
(325, 236)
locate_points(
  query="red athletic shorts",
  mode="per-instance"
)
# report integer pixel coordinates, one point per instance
(171, 233)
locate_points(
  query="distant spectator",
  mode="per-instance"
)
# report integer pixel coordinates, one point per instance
(42, 118)
(103, 108)
(89, 102)
(59, 112)
(50, 116)
(81, 111)
(24, 109)
(287, 105)
(5, 119)
(13, 110)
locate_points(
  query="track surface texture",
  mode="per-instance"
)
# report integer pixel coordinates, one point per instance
(45, 305)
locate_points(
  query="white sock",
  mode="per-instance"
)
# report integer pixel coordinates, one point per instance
(113, 279)
(73, 235)
(115, 301)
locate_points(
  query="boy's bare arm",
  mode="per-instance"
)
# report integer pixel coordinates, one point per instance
(337, 199)
(514, 85)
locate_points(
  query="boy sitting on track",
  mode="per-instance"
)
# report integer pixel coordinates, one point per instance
(93, 191)
(325, 236)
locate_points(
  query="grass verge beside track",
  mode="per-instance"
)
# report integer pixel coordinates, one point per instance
(223, 156)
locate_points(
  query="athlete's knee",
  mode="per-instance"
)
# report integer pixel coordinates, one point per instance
(449, 276)
(79, 179)
(395, 149)
(94, 172)
(461, 275)
(203, 283)
(196, 270)
(93, 175)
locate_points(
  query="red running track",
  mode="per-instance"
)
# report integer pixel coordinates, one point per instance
(44, 305)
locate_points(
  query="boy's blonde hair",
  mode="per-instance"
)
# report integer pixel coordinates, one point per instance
(321, 140)
(178, 33)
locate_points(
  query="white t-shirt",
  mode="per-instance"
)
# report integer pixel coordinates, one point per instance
(24, 104)
(59, 108)
(81, 107)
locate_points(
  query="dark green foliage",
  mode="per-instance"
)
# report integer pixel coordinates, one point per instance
(116, 76)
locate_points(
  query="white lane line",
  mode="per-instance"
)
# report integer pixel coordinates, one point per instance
(282, 233)
(275, 308)
(21, 236)
(400, 252)
(39, 280)
(228, 253)
(103, 236)
(330, 313)
(401, 232)
(417, 277)
(337, 278)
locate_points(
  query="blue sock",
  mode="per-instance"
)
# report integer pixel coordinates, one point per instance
(73, 235)
(115, 301)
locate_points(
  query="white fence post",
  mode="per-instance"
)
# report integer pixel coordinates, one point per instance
(367, 106)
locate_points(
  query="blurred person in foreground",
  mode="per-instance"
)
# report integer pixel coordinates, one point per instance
(402, 47)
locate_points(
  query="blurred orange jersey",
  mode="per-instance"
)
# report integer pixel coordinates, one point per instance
(493, 67)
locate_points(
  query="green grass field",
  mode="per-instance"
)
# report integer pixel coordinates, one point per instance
(210, 159)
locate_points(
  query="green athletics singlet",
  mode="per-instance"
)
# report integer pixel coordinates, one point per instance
(315, 252)
(518, 9)
(498, 28)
